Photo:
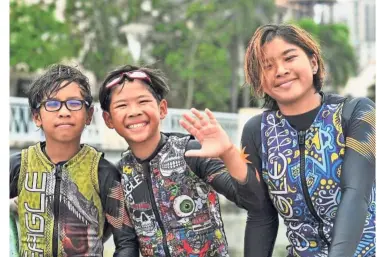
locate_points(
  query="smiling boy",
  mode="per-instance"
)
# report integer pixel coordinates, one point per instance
(64, 191)
(170, 198)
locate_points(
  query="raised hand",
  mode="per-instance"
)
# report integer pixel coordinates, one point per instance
(212, 137)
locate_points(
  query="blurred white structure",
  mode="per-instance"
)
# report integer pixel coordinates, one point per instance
(358, 86)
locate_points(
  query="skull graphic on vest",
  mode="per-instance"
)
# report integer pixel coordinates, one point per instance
(144, 219)
(172, 159)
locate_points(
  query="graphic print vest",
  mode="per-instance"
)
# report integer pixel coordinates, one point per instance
(60, 211)
(302, 171)
(174, 212)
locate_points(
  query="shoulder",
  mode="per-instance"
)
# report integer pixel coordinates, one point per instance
(361, 102)
(15, 161)
(15, 157)
(104, 166)
(333, 98)
(357, 106)
(254, 123)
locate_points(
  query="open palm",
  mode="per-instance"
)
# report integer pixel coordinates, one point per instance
(208, 132)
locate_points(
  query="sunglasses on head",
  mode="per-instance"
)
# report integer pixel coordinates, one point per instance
(130, 75)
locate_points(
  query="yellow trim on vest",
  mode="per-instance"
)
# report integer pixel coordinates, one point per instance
(36, 187)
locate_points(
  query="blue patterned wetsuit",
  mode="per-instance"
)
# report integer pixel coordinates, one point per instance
(317, 170)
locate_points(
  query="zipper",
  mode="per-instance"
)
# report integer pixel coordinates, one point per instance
(55, 240)
(305, 190)
(146, 174)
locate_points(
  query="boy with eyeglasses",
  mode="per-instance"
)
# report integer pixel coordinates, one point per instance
(171, 198)
(65, 192)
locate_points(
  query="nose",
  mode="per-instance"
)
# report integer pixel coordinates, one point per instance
(281, 70)
(64, 112)
(134, 111)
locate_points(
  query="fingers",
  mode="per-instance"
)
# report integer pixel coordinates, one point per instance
(211, 117)
(191, 129)
(201, 118)
(194, 122)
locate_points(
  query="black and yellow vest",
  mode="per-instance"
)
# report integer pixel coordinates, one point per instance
(59, 206)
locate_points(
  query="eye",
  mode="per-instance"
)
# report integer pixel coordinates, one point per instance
(184, 206)
(52, 104)
(74, 103)
(268, 66)
(289, 58)
(144, 101)
(121, 106)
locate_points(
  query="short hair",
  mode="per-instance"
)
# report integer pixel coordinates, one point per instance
(50, 81)
(159, 86)
(254, 57)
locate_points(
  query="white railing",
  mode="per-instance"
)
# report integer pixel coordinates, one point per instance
(24, 132)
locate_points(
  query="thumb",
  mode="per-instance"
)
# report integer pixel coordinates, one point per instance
(195, 153)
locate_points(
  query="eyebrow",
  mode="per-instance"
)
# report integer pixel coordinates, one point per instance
(288, 51)
(124, 100)
(68, 98)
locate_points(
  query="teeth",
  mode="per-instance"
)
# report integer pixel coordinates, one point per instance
(139, 125)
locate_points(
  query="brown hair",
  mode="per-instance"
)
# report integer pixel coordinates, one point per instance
(254, 57)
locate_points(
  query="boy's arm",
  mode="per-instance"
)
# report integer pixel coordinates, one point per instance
(14, 172)
(214, 172)
(357, 179)
(263, 221)
(113, 202)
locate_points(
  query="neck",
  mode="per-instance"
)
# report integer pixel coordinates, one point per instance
(305, 104)
(59, 152)
(145, 149)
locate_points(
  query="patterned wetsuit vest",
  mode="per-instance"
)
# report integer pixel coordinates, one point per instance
(174, 212)
(302, 171)
(59, 207)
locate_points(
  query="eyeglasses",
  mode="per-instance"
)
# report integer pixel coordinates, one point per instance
(130, 75)
(56, 105)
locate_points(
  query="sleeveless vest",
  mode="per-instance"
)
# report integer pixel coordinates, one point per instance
(60, 210)
(302, 171)
(173, 211)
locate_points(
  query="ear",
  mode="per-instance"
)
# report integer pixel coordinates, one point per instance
(108, 120)
(37, 119)
(90, 115)
(163, 109)
(314, 63)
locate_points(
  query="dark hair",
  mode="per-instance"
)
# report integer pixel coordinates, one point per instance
(254, 57)
(50, 82)
(159, 87)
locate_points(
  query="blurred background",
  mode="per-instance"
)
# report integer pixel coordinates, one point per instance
(199, 44)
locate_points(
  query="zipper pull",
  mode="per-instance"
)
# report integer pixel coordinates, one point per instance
(58, 172)
(301, 137)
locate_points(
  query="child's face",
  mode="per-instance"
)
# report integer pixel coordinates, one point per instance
(134, 112)
(289, 71)
(64, 125)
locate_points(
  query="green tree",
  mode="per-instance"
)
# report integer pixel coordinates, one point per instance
(97, 24)
(200, 44)
(337, 51)
(37, 38)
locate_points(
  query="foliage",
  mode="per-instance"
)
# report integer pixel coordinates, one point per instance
(37, 38)
(337, 51)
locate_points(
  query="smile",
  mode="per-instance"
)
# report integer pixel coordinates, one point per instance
(285, 84)
(137, 125)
